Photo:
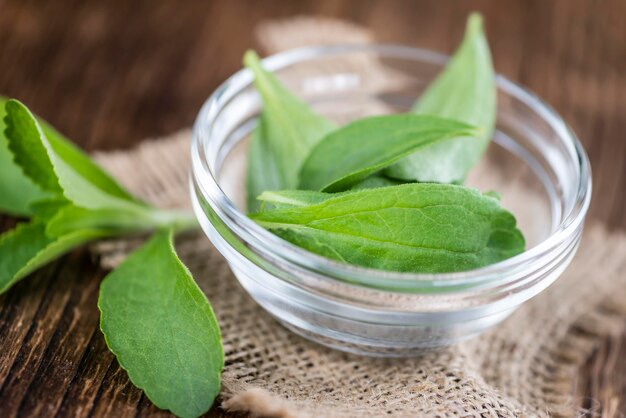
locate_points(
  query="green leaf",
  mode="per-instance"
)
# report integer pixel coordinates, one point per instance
(27, 144)
(286, 133)
(44, 161)
(466, 91)
(418, 227)
(28, 247)
(263, 172)
(359, 149)
(17, 191)
(281, 199)
(162, 330)
(83, 165)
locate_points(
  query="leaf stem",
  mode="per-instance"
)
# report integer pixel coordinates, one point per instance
(178, 220)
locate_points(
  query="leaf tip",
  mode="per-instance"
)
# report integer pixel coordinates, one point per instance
(13, 105)
(475, 23)
(251, 58)
(14, 108)
(265, 195)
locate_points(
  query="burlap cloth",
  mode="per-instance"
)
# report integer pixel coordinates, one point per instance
(524, 367)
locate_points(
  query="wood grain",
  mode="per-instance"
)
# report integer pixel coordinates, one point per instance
(109, 74)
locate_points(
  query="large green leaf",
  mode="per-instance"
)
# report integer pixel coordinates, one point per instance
(288, 130)
(28, 247)
(466, 91)
(161, 328)
(416, 227)
(57, 167)
(17, 191)
(352, 153)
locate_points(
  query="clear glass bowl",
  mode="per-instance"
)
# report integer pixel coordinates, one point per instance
(535, 162)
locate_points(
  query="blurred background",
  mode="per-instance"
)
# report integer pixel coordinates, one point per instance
(110, 74)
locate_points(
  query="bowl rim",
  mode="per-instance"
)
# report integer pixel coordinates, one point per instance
(512, 268)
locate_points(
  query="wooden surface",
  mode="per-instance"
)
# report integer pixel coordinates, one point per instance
(109, 74)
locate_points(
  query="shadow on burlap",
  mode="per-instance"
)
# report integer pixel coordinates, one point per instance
(524, 367)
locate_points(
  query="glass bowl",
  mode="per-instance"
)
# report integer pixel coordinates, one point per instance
(535, 162)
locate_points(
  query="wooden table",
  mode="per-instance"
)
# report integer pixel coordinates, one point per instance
(109, 74)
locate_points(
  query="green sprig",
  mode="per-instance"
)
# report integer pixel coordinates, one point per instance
(155, 318)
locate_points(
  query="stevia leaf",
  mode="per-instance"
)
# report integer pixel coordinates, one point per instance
(281, 199)
(466, 91)
(288, 130)
(28, 247)
(24, 140)
(263, 172)
(162, 330)
(84, 165)
(37, 155)
(352, 153)
(17, 191)
(418, 227)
